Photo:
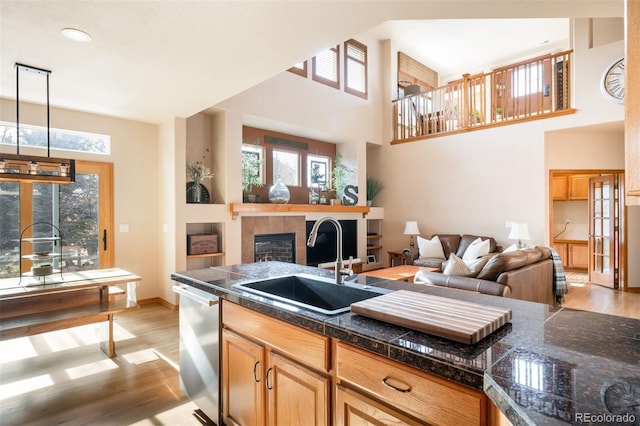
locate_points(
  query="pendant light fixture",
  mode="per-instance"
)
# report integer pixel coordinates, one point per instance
(29, 168)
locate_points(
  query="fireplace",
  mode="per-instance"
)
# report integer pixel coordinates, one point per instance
(281, 247)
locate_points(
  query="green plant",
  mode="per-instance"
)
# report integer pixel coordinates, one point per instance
(251, 167)
(374, 186)
(197, 172)
(339, 176)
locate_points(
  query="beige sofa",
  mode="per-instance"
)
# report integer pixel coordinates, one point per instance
(522, 274)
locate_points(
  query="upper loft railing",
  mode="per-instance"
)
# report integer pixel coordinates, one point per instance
(533, 89)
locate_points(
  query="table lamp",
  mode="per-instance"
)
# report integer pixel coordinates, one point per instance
(519, 231)
(411, 229)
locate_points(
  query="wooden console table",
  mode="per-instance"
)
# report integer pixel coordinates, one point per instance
(399, 273)
(76, 298)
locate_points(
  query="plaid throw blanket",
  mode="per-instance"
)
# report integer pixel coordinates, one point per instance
(559, 278)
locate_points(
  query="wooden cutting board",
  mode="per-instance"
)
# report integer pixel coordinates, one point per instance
(451, 319)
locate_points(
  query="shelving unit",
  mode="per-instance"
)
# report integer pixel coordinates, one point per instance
(197, 261)
(39, 258)
(374, 243)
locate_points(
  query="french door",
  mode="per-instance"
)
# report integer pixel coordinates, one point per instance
(603, 231)
(83, 212)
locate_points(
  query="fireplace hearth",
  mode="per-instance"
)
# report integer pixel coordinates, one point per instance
(280, 247)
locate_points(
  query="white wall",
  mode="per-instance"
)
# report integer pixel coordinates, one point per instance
(134, 153)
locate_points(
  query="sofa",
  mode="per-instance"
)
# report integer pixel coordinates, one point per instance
(525, 274)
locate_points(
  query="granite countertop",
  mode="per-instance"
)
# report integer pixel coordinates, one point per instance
(548, 366)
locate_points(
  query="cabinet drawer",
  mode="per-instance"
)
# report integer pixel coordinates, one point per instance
(427, 397)
(297, 343)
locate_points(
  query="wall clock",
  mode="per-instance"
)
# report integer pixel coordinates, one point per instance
(612, 83)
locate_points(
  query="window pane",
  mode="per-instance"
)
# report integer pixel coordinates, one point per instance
(286, 165)
(356, 68)
(527, 79)
(36, 136)
(356, 76)
(327, 65)
(9, 229)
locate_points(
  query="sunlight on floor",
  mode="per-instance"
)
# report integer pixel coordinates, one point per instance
(20, 387)
(16, 349)
(169, 417)
(90, 369)
(140, 357)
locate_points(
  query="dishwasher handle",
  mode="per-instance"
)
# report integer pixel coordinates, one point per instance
(183, 292)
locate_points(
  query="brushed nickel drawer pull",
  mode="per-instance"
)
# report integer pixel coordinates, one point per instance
(255, 376)
(385, 381)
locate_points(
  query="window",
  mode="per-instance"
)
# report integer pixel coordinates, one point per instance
(252, 166)
(355, 68)
(326, 67)
(300, 69)
(82, 210)
(527, 79)
(286, 166)
(36, 136)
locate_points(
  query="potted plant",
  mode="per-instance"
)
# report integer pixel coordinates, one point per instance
(251, 166)
(339, 176)
(197, 172)
(374, 186)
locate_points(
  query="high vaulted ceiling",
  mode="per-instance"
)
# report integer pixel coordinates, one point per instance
(155, 60)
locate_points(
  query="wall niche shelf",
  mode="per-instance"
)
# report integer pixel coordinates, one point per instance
(256, 208)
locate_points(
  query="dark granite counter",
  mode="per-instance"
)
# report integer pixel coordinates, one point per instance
(548, 366)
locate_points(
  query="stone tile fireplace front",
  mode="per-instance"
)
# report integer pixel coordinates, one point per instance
(266, 225)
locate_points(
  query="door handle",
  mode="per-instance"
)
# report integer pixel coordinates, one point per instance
(104, 239)
(269, 386)
(255, 376)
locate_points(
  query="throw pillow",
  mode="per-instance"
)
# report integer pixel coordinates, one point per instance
(456, 266)
(512, 247)
(430, 248)
(476, 249)
(476, 265)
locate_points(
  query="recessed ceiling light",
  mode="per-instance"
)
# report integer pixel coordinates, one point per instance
(76, 35)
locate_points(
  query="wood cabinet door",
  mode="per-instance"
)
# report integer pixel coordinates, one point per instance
(559, 190)
(561, 248)
(579, 187)
(578, 256)
(242, 381)
(296, 395)
(355, 409)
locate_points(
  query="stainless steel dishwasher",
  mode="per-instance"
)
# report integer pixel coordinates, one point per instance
(199, 318)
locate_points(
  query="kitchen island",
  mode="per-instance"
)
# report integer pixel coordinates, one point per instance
(548, 366)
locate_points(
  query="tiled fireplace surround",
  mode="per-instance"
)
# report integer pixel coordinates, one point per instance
(259, 225)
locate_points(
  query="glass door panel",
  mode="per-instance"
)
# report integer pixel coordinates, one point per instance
(601, 231)
(9, 229)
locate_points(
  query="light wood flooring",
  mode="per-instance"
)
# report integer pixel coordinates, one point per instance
(63, 378)
(592, 297)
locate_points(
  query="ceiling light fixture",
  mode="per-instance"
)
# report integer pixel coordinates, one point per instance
(29, 168)
(76, 35)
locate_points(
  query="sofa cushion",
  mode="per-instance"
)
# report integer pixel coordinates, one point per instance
(430, 248)
(466, 240)
(476, 249)
(449, 242)
(429, 262)
(512, 247)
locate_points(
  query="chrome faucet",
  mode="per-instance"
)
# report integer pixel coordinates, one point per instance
(340, 272)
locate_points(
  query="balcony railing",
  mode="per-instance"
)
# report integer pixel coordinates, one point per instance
(528, 90)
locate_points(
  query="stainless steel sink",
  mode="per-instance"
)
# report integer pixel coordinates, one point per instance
(311, 292)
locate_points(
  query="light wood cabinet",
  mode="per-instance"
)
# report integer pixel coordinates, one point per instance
(428, 398)
(578, 256)
(268, 371)
(632, 103)
(579, 187)
(559, 188)
(574, 254)
(566, 187)
(353, 408)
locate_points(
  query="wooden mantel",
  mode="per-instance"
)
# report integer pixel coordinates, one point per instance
(255, 208)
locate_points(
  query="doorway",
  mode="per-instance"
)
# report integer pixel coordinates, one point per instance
(587, 223)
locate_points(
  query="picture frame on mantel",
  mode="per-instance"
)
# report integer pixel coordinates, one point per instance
(371, 258)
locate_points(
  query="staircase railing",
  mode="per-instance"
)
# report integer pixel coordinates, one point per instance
(527, 90)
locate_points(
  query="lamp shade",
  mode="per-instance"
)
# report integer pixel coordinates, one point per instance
(411, 228)
(519, 231)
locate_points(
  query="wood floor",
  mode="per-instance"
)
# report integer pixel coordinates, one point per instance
(63, 378)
